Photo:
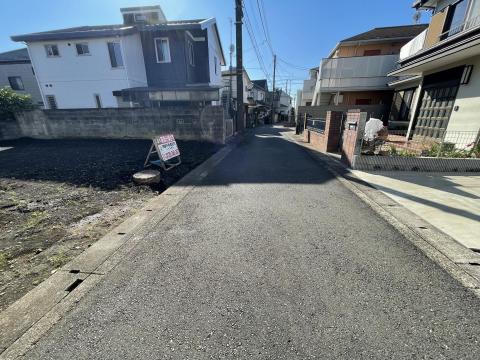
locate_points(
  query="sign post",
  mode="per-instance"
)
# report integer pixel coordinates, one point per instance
(166, 149)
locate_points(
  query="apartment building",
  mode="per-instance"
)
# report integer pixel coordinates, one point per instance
(145, 61)
(355, 72)
(439, 87)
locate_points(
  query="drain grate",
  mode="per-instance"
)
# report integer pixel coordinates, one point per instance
(74, 271)
(74, 285)
(121, 233)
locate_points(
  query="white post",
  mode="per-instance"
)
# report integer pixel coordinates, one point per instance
(414, 107)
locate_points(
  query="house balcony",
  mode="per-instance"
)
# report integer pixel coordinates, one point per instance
(362, 73)
(413, 46)
(433, 37)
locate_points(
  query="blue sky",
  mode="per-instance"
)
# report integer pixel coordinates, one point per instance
(301, 31)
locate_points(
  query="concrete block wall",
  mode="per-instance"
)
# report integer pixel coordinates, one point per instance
(186, 123)
(377, 111)
(9, 129)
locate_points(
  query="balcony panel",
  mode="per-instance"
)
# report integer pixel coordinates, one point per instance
(356, 84)
(357, 73)
(413, 46)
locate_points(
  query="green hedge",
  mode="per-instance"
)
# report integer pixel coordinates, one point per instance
(11, 101)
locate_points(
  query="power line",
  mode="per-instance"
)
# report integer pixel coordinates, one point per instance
(253, 40)
(293, 65)
(265, 27)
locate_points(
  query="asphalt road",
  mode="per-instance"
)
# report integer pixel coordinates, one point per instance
(271, 258)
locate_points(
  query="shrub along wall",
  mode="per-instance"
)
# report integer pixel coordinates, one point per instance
(186, 123)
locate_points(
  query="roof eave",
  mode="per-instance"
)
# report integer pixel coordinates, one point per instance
(73, 35)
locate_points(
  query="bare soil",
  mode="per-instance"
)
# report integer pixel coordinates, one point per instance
(59, 196)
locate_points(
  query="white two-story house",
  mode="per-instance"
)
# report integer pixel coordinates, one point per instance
(145, 61)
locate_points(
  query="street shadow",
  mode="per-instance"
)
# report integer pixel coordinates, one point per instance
(443, 207)
(436, 181)
(100, 163)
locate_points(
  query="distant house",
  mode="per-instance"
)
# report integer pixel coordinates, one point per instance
(146, 61)
(438, 91)
(16, 72)
(260, 91)
(230, 77)
(283, 103)
(355, 72)
(306, 96)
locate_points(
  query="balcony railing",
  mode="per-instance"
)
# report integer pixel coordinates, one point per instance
(458, 28)
(418, 43)
(316, 125)
(361, 72)
(414, 45)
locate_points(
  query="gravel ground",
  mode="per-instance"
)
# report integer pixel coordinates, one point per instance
(58, 196)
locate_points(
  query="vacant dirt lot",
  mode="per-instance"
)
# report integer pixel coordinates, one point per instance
(58, 196)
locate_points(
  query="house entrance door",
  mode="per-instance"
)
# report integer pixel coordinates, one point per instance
(436, 104)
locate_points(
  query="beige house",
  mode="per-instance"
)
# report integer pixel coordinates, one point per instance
(438, 92)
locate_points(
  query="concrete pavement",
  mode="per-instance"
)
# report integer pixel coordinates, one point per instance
(451, 202)
(270, 258)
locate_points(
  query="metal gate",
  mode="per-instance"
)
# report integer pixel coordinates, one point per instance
(436, 102)
(435, 110)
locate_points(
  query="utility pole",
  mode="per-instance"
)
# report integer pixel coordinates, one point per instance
(238, 25)
(273, 90)
(230, 95)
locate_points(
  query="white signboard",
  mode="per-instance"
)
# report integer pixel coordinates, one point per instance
(166, 147)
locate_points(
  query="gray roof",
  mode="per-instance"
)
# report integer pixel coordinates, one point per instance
(174, 25)
(84, 32)
(140, 8)
(391, 32)
(80, 32)
(261, 83)
(19, 55)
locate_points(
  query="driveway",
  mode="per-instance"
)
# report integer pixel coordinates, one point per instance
(271, 258)
(450, 202)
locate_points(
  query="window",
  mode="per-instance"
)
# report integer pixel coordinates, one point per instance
(191, 54)
(115, 54)
(373, 52)
(98, 101)
(52, 50)
(52, 103)
(16, 82)
(82, 49)
(455, 18)
(140, 17)
(162, 49)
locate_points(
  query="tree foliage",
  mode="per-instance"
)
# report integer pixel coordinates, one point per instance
(10, 102)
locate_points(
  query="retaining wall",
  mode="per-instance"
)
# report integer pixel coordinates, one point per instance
(186, 123)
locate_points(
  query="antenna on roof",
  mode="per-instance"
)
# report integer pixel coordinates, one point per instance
(416, 17)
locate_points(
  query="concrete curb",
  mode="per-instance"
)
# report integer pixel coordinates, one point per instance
(24, 322)
(458, 261)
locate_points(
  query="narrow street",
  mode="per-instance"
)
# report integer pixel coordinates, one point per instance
(271, 257)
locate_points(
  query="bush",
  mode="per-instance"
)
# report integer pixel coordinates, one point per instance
(448, 150)
(11, 102)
